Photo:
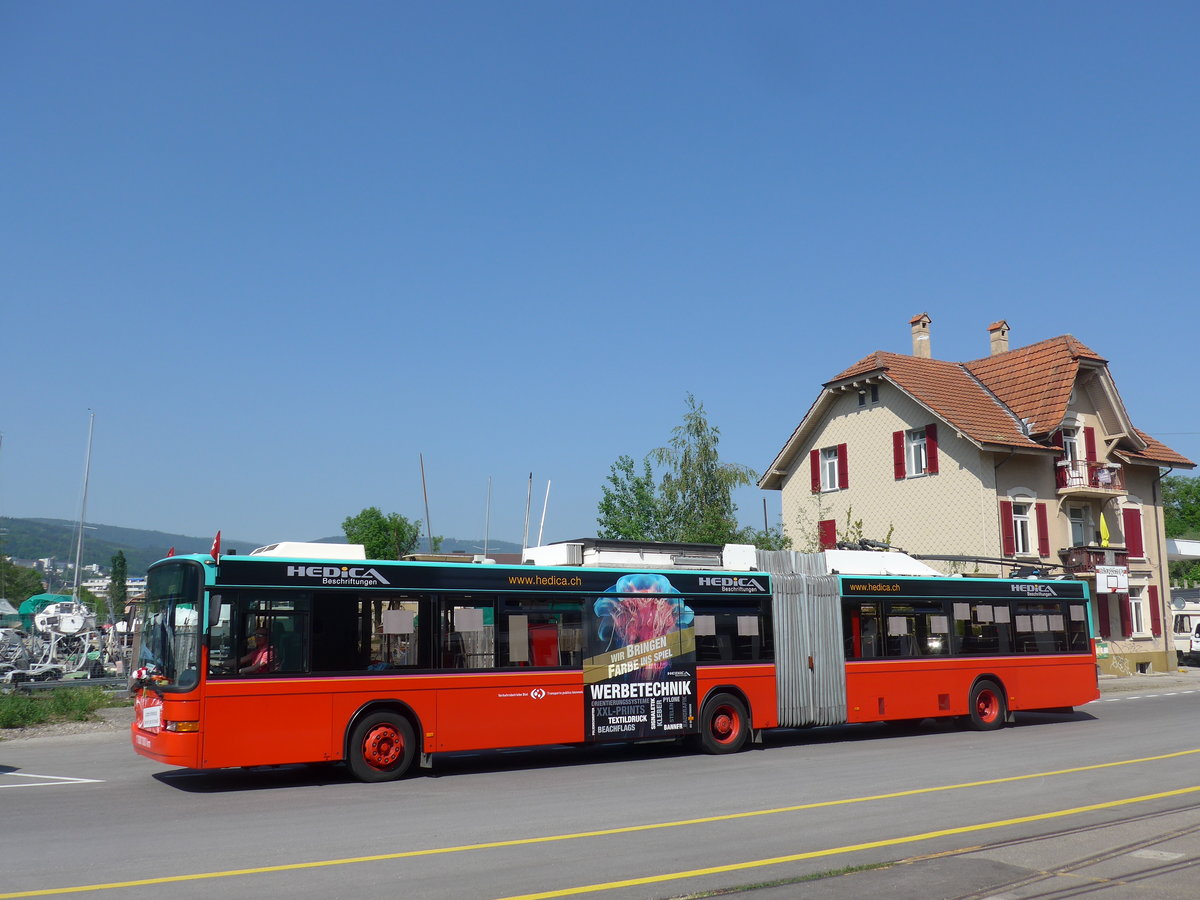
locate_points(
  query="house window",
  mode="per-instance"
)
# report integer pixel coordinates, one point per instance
(868, 394)
(1137, 612)
(1070, 437)
(1081, 525)
(918, 459)
(915, 452)
(829, 469)
(1020, 519)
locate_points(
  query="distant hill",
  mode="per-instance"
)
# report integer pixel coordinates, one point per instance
(41, 538)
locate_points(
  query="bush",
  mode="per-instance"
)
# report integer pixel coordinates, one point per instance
(20, 710)
(76, 704)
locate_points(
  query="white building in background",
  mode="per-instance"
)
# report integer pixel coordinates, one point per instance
(134, 587)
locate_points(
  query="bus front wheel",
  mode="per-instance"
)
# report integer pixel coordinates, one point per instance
(382, 747)
(724, 725)
(988, 709)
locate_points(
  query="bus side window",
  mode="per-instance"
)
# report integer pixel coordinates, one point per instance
(396, 642)
(220, 641)
(860, 630)
(273, 637)
(468, 633)
(540, 631)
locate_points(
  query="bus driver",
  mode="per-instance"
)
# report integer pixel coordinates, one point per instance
(262, 657)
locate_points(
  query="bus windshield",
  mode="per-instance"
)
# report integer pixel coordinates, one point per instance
(170, 626)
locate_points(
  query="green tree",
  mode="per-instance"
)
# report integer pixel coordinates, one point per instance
(384, 537)
(1181, 505)
(697, 488)
(771, 538)
(630, 507)
(116, 585)
(17, 583)
(1185, 572)
(693, 500)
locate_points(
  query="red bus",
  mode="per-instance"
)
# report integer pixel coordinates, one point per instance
(311, 653)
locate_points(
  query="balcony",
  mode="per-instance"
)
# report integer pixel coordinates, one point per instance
(1082, 561)
(1079, 478)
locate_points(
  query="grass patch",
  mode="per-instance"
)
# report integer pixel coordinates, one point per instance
(21, 710)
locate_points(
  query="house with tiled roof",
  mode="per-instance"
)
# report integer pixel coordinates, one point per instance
(1023, 460)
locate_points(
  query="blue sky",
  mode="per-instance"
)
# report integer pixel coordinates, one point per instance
(283, 249)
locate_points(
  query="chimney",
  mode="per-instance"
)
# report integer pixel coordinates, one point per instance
(920, 335)
(999, 333)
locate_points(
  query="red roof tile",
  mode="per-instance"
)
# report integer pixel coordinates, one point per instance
(987, 399)
(1157, 452)
(950, 391)
(1035, 382)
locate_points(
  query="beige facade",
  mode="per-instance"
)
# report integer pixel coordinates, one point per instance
(961, 522)
(1028, 464)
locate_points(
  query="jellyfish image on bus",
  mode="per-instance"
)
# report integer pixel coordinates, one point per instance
(644, 616)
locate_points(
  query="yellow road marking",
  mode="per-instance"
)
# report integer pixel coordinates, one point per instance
(850, 848)
(630, 829)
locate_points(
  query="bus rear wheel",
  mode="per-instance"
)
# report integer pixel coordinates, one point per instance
(988, 710)
(382, 747)
(724, 725)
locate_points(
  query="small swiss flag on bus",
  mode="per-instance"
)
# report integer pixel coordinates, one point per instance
(171, 552)
(215, 552)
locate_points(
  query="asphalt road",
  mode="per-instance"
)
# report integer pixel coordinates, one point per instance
(1104, 802)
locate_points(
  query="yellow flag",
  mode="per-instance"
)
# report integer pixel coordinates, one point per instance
(1103, 531)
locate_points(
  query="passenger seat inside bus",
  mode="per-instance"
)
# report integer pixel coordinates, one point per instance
(287, 649)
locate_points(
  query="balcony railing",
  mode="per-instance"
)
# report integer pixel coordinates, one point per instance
(1083, 560)
(1078, 474)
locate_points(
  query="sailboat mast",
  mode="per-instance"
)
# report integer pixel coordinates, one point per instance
(87, 468)
(487, 518)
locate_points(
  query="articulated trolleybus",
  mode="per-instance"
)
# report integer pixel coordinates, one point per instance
(300, 653)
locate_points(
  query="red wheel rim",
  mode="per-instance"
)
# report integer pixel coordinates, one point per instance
(382, 747)
(987, 706)
(725, 724)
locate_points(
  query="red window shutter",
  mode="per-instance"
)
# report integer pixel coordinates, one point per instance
(827, 534)
(1057, 439)
(1155, 612)
(814, 465)
(1102, 610)
(1131, 519)
(931, 452)
(1008, 541)
(843, 468)
(1123, 606)
(1043, 527)
(898, 454)
(1089, 444)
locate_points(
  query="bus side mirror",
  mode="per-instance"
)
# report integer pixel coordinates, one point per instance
(214, 612)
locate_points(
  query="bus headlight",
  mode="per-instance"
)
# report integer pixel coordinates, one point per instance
(189, 727)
